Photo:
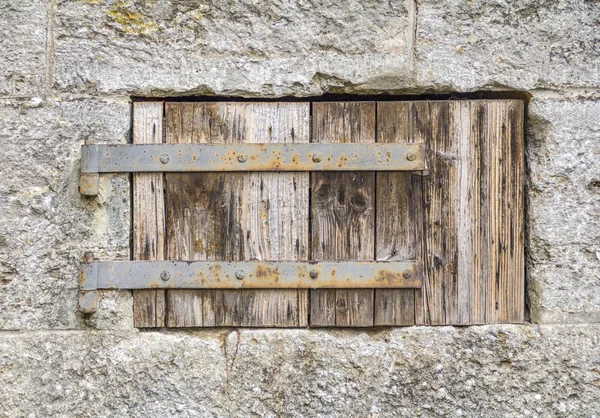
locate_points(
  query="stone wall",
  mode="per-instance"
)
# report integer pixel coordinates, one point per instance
(68, 70)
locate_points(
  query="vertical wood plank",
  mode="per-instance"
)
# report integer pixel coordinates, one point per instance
(148, 215)
(493, 158)
(430, 124)
(514, 221)
(238, 216)
(483, 232)
(460, 298)
(503, 232)
(343, 214)
(473, 202)
(275, 215)
(399, 219)
(202, 217)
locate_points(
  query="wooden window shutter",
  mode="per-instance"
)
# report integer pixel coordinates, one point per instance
(463, 216)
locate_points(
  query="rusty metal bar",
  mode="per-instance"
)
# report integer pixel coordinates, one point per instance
(111, 158)
(250, 274)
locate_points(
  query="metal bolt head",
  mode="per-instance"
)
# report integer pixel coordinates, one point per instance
(314, 274)
(240, 275)
(407, 274)
(317, 158)
(411, 156)
(164, 158)
(165, 276)
(242, 158)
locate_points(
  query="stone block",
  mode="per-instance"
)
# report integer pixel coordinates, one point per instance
(23, 44)
(46, 225)
(564, 210)
(465, 45)
(92, 374)
(248, 48)
(503, 370)
(437, 371)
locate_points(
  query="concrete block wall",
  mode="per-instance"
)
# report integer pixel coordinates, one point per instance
(68, 70)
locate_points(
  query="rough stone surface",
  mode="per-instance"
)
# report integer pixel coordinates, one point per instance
(471, 44)
(68, 70)
(90, 374)
(245, 47)
(564, 210)
(478, 371)
(23, 25)
(46, 226)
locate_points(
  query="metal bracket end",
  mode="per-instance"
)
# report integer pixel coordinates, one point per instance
(89, 273)
(88, 282)
(89, 158)
(88, 301)
(89, 180)
(89, 184)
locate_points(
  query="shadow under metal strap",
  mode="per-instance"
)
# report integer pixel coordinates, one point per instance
(250, 274)
(109, 158)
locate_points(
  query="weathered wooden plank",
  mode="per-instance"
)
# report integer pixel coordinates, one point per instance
(190, 310)
(148, 215)
(237, 216)
(503, 233)
(482, 219)
(514, 220)
(473, 245)
(493, 196)
(399, 218)
(201, 213)
(343, 214)
(429, 123)
(459, 298)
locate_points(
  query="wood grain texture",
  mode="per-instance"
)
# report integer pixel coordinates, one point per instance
(463, 218)
(514, 214)
(428, 123)
(399, 216)
(148, 215)
(237, 216)
(500, 232)
(342, 208)
(473, 212)
(459, 297)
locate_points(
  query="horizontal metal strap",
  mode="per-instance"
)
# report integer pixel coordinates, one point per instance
(250, 274)
(109, 158)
